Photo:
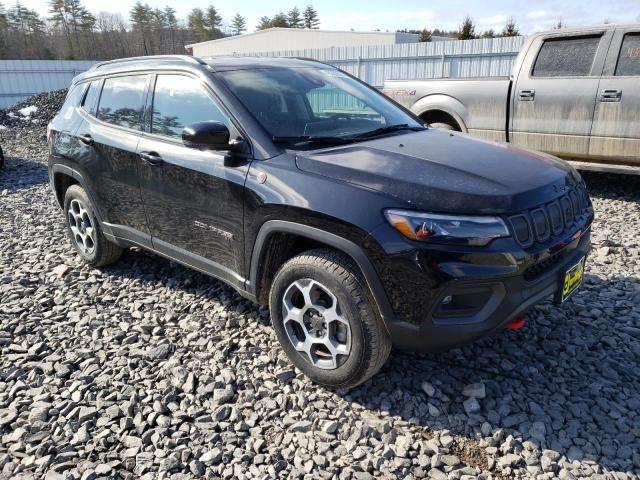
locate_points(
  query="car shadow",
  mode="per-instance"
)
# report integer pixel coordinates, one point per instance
(21, 173)
(570, 370)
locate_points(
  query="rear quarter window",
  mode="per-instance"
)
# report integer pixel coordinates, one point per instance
(122, 101)
(90, 99)
(566, 57)
(629, 59)
(74, 96)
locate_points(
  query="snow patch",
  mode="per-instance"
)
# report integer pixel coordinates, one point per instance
(28, 111)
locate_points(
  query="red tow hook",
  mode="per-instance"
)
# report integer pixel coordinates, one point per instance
(516, 324)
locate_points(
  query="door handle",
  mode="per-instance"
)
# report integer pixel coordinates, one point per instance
(526, 95)
(151, 158)
(610, 95)
(86, 139)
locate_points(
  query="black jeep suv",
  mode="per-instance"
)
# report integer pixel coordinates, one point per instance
(306, 189)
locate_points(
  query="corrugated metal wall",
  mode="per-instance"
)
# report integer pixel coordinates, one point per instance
(490, 57)
(493, 57)
(20, 79)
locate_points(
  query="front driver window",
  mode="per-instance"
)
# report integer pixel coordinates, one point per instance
(180, 101)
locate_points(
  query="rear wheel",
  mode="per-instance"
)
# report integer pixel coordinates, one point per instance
(84, 230)
(326, 321)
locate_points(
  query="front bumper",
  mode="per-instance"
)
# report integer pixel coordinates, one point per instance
(498, 298)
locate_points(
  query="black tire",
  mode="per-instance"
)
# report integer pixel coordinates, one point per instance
(370, 343)
(103, 252)
(443, 126)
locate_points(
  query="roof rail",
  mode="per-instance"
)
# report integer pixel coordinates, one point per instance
(185, 58)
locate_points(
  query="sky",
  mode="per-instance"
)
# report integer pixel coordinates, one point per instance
(366, 15)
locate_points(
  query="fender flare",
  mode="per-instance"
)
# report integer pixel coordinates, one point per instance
(446, 103)
(77, 176)
(356, 252)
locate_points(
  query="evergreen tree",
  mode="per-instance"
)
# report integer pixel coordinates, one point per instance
(197, 24)
(489, 33)
(265, 22)
(238, 24)
(310, 17)
(467, 30)
(560, 25)
(294, 19)
(425, 35)
(213, 20)
(279, 20)
(510, 29)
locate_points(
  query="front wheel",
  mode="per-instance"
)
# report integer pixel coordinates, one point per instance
(326, 321)
(84, 230)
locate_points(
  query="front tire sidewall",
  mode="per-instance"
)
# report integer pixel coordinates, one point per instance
(354, 365)
(75, 192)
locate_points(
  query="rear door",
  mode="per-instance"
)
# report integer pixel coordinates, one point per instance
(193, 198)
(554, 98)
(113, 111)
(616, 124)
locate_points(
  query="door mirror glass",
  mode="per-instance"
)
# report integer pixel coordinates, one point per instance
(208, 135)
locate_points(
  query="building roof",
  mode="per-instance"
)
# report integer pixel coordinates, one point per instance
(299, 31)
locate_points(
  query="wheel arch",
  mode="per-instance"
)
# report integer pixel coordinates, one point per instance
(279, 240)
(442, 104)
(62, 177)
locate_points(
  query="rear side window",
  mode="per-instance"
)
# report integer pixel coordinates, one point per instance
(122, 101)
(89, 102)
(629, 59)
(180, 101)
(566, 57)
(72, 101)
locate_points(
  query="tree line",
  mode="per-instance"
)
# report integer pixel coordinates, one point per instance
(70, 31)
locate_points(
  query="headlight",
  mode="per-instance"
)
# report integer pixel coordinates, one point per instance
(438, 228)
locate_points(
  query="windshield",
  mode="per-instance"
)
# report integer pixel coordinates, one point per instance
(298, 105)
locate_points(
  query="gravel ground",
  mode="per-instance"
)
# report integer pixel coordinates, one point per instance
(149, 370)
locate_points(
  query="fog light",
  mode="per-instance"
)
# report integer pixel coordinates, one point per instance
(447, 300)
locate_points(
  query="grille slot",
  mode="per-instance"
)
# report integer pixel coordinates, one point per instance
(541, 223)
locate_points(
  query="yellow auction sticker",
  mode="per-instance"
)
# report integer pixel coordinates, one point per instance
(573, 279)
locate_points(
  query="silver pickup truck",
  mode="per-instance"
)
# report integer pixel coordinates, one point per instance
(574, 93)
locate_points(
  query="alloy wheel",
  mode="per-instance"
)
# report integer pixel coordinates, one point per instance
(315, 325)
(81, 226)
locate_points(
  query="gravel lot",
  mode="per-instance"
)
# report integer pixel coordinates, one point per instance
(149, 370)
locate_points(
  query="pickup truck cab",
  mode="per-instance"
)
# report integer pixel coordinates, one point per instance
(574, 93)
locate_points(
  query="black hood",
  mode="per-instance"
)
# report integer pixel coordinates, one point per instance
(443, 171)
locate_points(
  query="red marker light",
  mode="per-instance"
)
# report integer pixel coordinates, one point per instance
(423, 231)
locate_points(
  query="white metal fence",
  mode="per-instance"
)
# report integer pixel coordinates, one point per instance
(20, 79)
(492, 57)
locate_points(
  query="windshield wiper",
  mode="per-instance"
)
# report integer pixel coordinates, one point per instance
(310, 138)
(387, 129)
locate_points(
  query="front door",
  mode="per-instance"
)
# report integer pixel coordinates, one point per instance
(616, 124)
(553, 102)
(193, 199)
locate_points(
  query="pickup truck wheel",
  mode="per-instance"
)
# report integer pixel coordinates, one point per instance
(442, 126)
(326, 321)
(84, 230)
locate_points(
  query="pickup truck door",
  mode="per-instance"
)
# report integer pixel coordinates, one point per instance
(192, 198)
(615, 135)
(555, 93)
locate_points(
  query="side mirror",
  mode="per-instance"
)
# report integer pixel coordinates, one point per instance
(207, 135)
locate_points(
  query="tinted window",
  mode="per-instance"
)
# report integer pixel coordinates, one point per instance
(322, 102)
(180, 101)
(89, 103)
(122, 101)
(566, 57)
(629, 60)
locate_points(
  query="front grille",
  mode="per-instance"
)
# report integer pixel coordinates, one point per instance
(540, 224)
(543, 266)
